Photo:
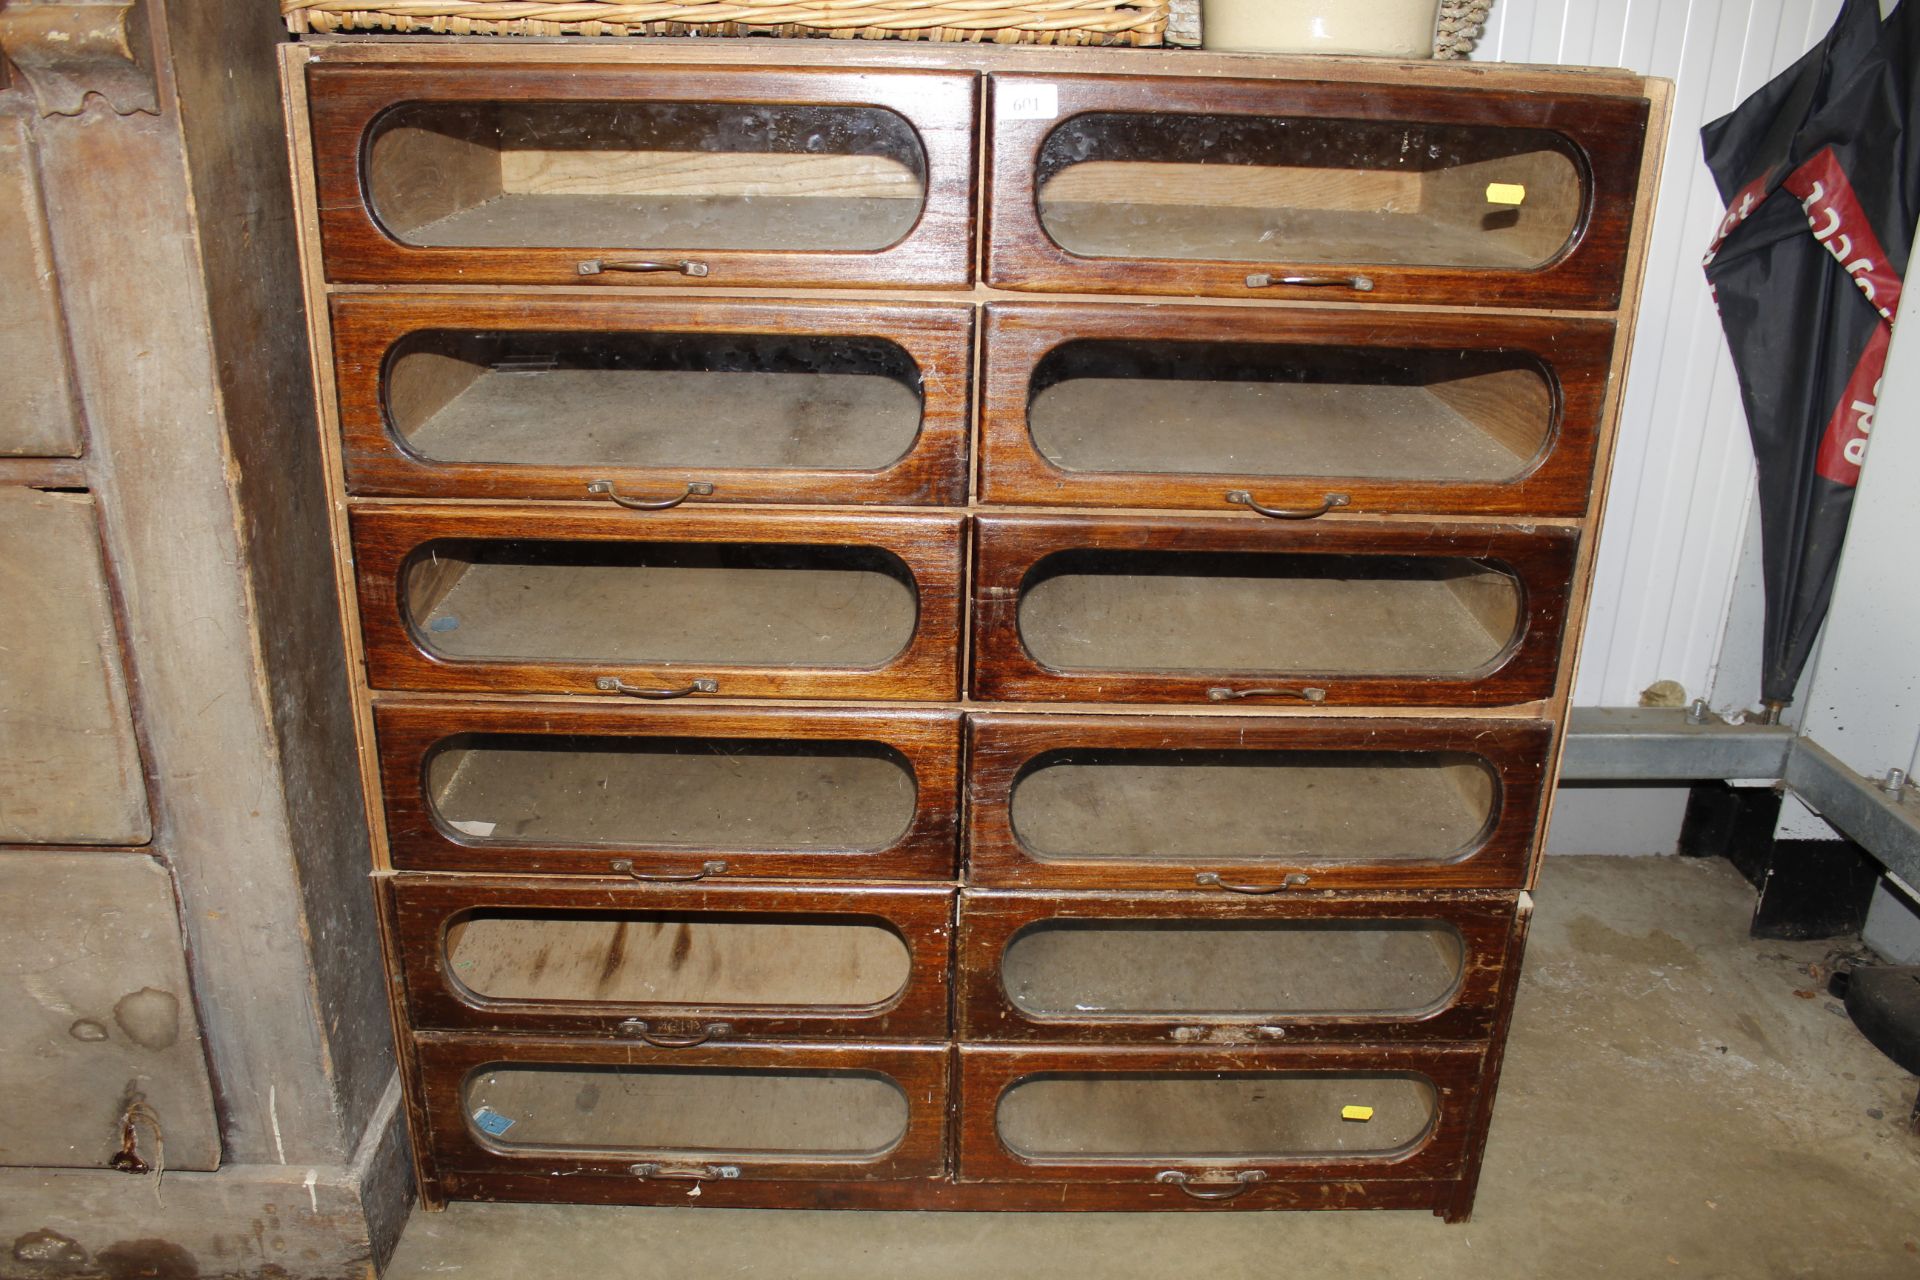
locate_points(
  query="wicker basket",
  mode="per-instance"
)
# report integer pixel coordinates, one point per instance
(1071, 22)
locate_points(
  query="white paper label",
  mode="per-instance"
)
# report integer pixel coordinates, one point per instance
(1030, 102)
(472, 828)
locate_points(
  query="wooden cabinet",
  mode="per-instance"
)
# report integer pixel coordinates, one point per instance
(795, 791)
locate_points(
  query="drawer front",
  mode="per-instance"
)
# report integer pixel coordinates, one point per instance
(1224, 188)
(670, 794)
(655, 401)
(679, 1117)
(1219, 970)
(1232, 410)
(680, 604)
(1258, 806)
(1336, 612)
(621, 177)
(674, 966)
(1217, 1123)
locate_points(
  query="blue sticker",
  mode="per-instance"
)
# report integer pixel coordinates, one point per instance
(445, 622)
(492, 1121)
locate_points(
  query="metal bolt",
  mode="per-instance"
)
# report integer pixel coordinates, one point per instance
(1895, 784)
(1698, 713)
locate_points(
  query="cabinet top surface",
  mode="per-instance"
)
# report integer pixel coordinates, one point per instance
(1006, 59)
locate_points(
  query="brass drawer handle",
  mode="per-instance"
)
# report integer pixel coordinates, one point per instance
(1220, 693)
(605, 489)
(711, 1031)
(1212, 880)
(715, 867)
(1264, 280)
(614, 684)
(1245, 499)
(643, 266)
(685, 1172)
(1243, 1182)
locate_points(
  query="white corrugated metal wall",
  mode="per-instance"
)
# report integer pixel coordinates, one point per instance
(1683, 488)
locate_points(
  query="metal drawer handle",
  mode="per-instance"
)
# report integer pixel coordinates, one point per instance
(1212, 880)
(624, 866)
(638, 1027)
(1245, 499)
(605, 489)
(686, 1172)
(642, 266)
(614, 684)
(1220, 693)
(1263, 280)
(1243, 1182)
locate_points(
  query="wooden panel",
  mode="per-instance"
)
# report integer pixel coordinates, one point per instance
(927, 741)
(938, 339)
(940, 108)
(1003, 747)
(1009, 547)
(929, 547)
(919, 1071)
(42, 417)
(1019, 336)
(1458, 986)
(70, 769)
(1607, 134)
(99, 1015)
(988, 1074)
(827, 991)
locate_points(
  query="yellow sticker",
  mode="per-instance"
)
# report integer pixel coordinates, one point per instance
(1506, 193)
(1356, 1113)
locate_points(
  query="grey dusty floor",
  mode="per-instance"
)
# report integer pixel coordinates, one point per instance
(1678, 1100)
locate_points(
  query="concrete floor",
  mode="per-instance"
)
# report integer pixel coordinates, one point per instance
(1678, 1100)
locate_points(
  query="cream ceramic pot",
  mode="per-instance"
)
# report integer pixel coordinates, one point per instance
(1382, 28)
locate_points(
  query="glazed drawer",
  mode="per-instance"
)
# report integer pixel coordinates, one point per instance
(653, 402)
(679, 604)
(674, 1117)
(1294, 189)
(1291, 412)
(519, 173)
(1219, 970)
(1335, 612)
(675, 966)
(1254, 805)
(1217, 1123)
(670, 794)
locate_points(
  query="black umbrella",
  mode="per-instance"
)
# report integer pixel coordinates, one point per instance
(1820, 172)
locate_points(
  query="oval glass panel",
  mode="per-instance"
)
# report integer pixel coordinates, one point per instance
(1333, 615)
(1308, 190)
(1140, 968)
(686, 1111)
(720, 604)
(551, 790)
(645, 175)
(638, 400)
(1267, 409)
(1227, 806)
(1228, 1115)
(652, 958)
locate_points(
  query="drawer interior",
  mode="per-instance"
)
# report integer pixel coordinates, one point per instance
(1242, 188)
(592, 791)
(1354, 615)
(659, 175)
(732, 400)
(1081, 969)
(707, 960)
(686, 1111)
(723, 604)
(1268, 409)
(1117, 804)
(1193, 1115)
